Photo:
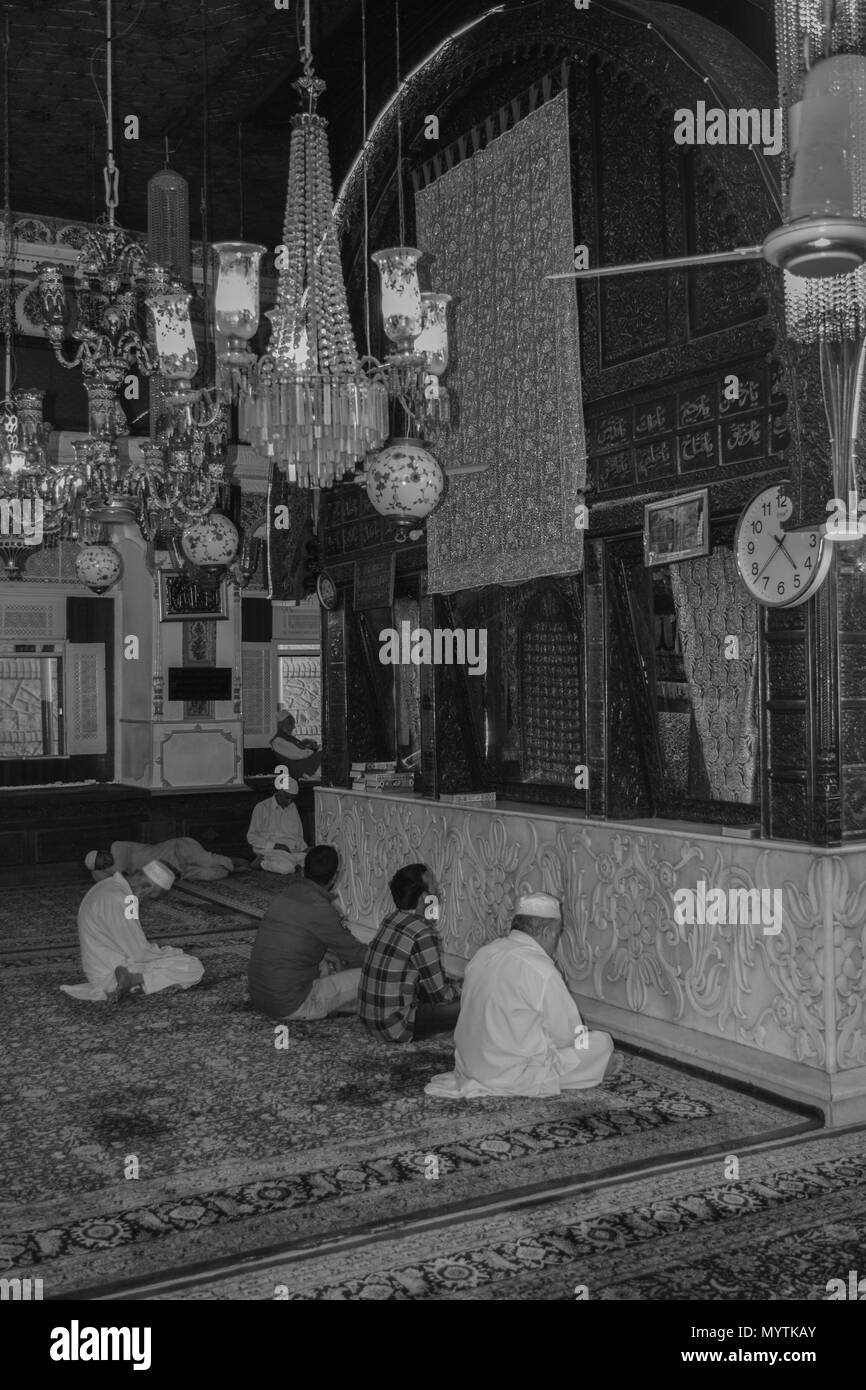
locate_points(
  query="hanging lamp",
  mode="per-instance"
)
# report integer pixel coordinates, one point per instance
(309, 404)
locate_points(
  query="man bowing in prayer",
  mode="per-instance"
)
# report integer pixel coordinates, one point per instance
(116, 956)
(275, 831)
(519, 1032)
(184, 856)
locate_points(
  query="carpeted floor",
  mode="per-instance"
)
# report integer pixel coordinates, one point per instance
(793, 1220)
(171, 1130)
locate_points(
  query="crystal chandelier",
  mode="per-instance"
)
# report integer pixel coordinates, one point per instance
(822, 86)
(308, 403)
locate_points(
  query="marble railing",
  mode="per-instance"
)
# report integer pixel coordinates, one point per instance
(781, 1003)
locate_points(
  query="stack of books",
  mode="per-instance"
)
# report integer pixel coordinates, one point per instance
(469, 798)
(371, 777)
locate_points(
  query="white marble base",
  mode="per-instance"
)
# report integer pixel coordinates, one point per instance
(784, 1011)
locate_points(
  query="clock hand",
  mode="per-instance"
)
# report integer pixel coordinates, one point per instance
(766, 562)
(781, 546)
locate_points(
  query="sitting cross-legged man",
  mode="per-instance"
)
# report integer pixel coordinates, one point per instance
(116, 956)
(520, 1032)
(405, 993)
(276, 833)
(300, 928)
(184, 856)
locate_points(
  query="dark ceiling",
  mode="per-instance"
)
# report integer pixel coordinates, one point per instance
(252, 58)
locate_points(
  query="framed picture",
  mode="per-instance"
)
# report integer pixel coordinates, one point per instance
(181, 598)
(677, 528)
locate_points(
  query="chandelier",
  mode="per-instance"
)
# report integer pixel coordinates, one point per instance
(416, 323)
(308, 403)
(822, 86)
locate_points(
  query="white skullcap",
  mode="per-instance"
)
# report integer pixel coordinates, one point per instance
(158, 873)
(90, 859)
(539, 905)
(292, 787)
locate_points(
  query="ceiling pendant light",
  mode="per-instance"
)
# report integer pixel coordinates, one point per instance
(310, 405)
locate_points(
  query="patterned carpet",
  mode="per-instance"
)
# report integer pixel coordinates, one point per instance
(794, 1220)
(172, 1130)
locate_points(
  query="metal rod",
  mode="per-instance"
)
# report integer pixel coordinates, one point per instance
(109, 108)
(738, 253)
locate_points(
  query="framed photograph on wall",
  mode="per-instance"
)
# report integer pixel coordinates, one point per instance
(677, 528)
(181, 598)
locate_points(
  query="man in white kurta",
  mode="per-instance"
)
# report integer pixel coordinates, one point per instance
(183, 855)
(520, 1032)
(116, 956)
(275, 832)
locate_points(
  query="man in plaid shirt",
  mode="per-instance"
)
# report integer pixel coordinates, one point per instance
(404, 992)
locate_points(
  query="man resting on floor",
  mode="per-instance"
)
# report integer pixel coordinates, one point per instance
(519, 1032)
(184, 856)
(116, 956)
(405, 993)
(301, 925)
(276, 834)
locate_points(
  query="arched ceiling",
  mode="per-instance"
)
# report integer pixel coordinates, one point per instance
(57, 126)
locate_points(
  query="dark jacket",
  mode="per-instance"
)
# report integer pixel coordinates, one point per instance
(300, 925)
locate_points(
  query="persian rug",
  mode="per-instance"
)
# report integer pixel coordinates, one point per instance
(178, 1129)
(41, 917)
(792, 1221)
(248, 893)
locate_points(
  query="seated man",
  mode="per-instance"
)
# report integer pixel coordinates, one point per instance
(116, 956)
(405, 993)
(302, 756)
(184, 856)
(301, 925)
(275, 832)
(519, 1031)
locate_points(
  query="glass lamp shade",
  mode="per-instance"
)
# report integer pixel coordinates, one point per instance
(52, 296)
(829, 169)
(236, 302)
(432, 341)
(211, 541)
(401, 295)
(175, 344)
(98, 566)
(404, 481)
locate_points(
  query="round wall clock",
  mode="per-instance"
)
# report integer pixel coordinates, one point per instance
(779, 568)
(327, 591)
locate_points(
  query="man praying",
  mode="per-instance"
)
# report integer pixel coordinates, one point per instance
(183, 855)
(275, 832)
(302, 756)
(116, 956)
(300, 927)
(405, 994)
(520, 1032)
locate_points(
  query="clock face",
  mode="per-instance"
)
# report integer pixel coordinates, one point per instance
(779, 568)
(327, 591)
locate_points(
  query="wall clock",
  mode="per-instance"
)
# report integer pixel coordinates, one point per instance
(327, 592)
(779, 568)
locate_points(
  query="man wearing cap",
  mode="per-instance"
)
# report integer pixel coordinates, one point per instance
(116, 956)
(303, 756)
(183, 855)
(275, 832)
(519, 1032)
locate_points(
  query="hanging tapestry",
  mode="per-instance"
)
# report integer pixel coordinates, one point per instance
(494, 226)
(711, 609)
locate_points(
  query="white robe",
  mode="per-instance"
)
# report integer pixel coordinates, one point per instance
(273, 825)
(109, 939)
(518, 1027)
(184, 855)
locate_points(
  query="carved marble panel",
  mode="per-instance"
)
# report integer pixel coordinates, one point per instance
(790, 983)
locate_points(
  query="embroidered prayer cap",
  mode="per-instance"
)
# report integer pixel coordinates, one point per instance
(539, 905)
(90, 859)
(158, 873)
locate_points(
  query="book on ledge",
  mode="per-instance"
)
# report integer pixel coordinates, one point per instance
(469, 798)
